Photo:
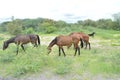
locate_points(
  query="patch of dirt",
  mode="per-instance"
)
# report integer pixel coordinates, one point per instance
(47, 75)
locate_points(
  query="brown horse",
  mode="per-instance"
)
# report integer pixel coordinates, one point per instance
(21, 40)
(83, 36)
(61, 41)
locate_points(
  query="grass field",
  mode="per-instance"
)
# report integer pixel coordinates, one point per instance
(103, 59)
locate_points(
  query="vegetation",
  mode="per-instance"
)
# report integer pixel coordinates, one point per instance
(103, 58)
(48, 26)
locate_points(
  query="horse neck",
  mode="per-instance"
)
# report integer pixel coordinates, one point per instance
(11, 40)
(51, 45)
(53, 42)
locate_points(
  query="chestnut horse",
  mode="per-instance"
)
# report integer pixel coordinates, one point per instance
(21, 40)
(61, 41)
(83, 36)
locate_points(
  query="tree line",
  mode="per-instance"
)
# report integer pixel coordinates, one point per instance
(45, 25)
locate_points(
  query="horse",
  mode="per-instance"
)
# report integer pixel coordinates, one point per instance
(61, 41)
(21, 40)
(83, 36)
(76, 38)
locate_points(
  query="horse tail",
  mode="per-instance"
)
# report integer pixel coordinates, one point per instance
(38, 39)
(81, 43)
(92, 34)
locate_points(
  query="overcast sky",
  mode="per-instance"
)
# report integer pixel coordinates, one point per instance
(67, 10)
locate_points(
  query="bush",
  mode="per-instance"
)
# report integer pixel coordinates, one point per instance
(29, 31)
(50, 29)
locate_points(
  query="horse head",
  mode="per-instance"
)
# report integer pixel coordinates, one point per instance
(49, 49)
(5, 45)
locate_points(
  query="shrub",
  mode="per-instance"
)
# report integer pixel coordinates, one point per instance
(50, 29)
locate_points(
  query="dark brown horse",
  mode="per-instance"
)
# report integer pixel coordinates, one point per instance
(83, 36)
(21, 40)
(61, 41)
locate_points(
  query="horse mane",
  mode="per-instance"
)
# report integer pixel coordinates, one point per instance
(72, 33)
(11, 40)
(54, 41)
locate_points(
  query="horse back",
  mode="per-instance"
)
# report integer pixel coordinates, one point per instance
(33, 37)
(64, 40)
(22, 39)
(76, 37)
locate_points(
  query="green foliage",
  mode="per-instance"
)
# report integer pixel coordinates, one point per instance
(50, 29)
(6, 58)
(29, 31)
(14, 27)
(31, 23)
(3, 26)
(117, 20)
(50, 26)
(105, 24)
(63, 66)
(116, 59)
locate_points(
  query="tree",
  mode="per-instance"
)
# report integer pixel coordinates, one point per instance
(14, 27)
(47, 26)
(105, 24)
(117, 20)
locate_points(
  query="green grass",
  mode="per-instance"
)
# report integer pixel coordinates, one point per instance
(95, 61)
(103, 59)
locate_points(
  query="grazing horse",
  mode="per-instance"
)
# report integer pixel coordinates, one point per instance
(76, 38)
(84, 37)
(21, 40)
(61, 41)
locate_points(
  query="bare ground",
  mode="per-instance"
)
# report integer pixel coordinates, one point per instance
(50, 76)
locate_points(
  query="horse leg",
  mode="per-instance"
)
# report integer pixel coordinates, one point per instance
(17, 49)
(75, 51)
(63, 52)
(23, 47)
(78, 51)
(89, 46)
(36, 45)
(86, 45)
(59, 51)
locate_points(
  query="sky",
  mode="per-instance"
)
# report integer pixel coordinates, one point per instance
(67, 10)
